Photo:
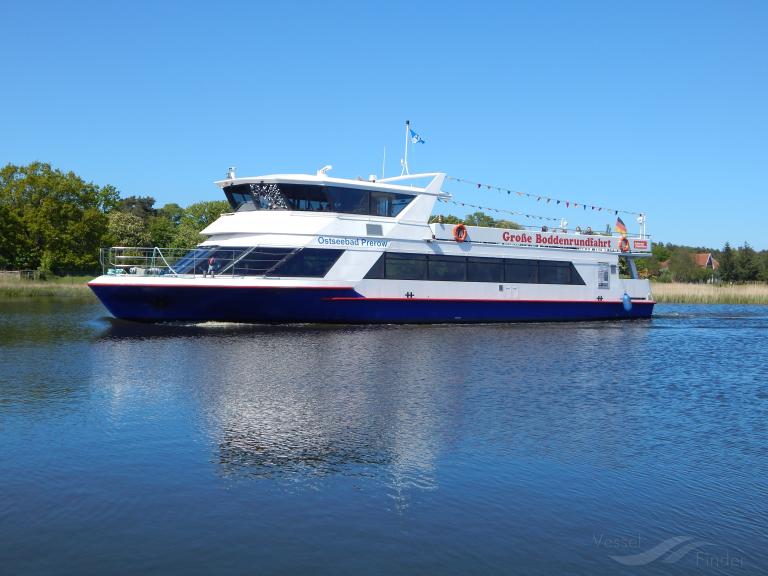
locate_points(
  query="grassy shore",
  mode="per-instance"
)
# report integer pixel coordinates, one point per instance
(673, 292)
(67, 287)
(681, 293)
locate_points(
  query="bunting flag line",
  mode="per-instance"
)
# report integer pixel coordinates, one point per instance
(539, 198)
(499, 210)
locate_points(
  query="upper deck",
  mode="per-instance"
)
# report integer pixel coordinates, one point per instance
(264, 205)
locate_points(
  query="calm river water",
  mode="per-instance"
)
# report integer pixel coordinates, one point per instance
(598, 448)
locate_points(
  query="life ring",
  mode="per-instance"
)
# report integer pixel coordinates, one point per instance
(459, 232)
(624, 244)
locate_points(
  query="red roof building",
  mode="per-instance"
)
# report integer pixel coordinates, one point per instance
(706, 260)
(701, 259)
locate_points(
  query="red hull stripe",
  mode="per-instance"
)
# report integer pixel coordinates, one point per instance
(496, 300)
(91, 284)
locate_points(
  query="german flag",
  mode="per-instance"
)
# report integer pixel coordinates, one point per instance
(620, 227)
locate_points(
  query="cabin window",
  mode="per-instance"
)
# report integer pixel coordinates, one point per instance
(315, 198)
(552, 272)
(447, 268)
(485, 269)
(521, 271)
(405, 266)
(441, 268)
(307, 263)
(257, 261)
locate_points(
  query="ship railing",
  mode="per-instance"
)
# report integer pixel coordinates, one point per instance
(176, 262)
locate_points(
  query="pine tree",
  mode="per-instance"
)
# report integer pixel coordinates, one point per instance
(747, 265)
(727, 267)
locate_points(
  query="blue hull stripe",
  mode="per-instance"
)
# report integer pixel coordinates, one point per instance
(334, 305)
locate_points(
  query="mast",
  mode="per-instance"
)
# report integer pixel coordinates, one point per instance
(404, 161)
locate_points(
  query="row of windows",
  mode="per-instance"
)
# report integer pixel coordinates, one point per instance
(402, 266)
(316, 262)
(282, 262)
(315, 198)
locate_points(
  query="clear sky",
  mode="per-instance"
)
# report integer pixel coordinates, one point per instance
(660, 107)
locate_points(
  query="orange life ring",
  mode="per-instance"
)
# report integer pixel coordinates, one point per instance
(624, 244)
(459, 232)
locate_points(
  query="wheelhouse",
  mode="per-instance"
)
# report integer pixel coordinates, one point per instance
(315, 198)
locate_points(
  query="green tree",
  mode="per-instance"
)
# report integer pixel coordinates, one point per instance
(141, 206)
(172, 212)
(727, 268)
(764, 265)
(57, 219)
(127, 229)
(196, 217)
(13, 242)
(682, 266)
(479, 219)
(162, 231)
(661, 252)
(747, 265)
(446, 219)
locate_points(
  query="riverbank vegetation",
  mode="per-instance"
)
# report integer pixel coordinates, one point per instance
(55, 222)
(69, 287)
(686, 293)
(52, 223)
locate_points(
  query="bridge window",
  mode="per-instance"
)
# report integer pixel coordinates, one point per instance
(315, 198)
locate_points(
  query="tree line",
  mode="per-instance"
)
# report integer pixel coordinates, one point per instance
(55, 221)
(671, 262)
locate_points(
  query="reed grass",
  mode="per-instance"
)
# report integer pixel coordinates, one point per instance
(70, 287)
(682, 293)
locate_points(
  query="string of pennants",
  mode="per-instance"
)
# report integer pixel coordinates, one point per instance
(547, 199)
(499, 210)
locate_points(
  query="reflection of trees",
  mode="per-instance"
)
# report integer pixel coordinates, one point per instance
(269, 196)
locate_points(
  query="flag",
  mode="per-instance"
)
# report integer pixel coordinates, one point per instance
(415, 138)
(620, 227)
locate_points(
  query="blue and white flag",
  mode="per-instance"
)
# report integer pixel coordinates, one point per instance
(416, 139)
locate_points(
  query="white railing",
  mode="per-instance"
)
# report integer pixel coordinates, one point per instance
(119, 260)
(189, 263)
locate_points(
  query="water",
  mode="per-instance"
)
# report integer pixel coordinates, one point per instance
(599, 448)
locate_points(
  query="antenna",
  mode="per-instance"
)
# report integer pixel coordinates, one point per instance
(384, 162)
(404, 161)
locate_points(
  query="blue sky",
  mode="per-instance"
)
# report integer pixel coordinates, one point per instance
(660, 107)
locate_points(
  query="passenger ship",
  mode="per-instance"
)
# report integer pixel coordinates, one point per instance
(312, 248)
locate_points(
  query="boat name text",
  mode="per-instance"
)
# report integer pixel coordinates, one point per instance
(366, 242)
(554, 240)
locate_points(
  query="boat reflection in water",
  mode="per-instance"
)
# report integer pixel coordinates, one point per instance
(300, 403)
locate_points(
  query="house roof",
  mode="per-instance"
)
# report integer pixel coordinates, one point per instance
(702, 260)
(706, 260)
